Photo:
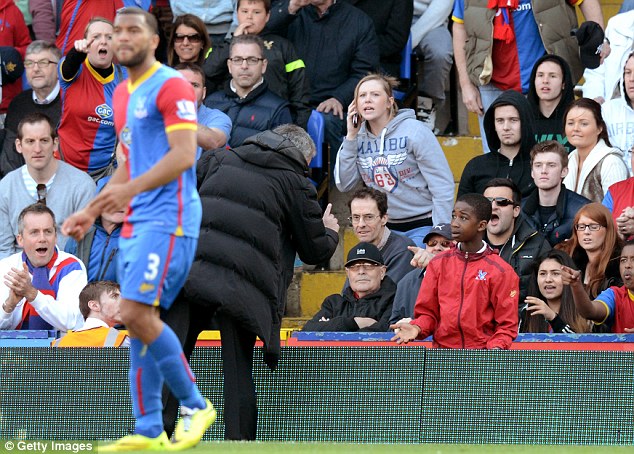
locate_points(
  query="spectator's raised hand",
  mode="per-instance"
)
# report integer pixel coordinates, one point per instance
(20, 286)
(353, 123)
(296, 5)
(82, 45)
(421, 257)
(570, 276)
(329, 219)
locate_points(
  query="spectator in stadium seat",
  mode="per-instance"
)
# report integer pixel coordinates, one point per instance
(214, 127)
(366, 305)
(389, 150)
(217, 15)
(510, 234)
(14, 38)
(594, 165)
(40, 67)
(614, 307)
(618, 114)
(497, 44)
(432, 43)
(76, 15)
(368, 215)
(43, 178)
(99, 303)
(602, 83)
(285, 71)
(552, 207)
(392, 20)
(508, 124)
(189, 42)
(550, 306)
(338, 44)
(438, 240)
(246, 98)
(98, 249)
(41, 284)
(594, 248)
(620, 201)
(258, 210)
(88, 78)
(551, 90)
(469, 297)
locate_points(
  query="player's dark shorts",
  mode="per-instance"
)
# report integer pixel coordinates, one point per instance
(153, 267)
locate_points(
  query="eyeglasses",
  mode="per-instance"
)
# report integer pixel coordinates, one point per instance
(443, 243)
(501, 201)
(362, 266)
(367, 218)
(40, 63)
(592, 227)
(194, 39)
(41, 193)
(251, 61)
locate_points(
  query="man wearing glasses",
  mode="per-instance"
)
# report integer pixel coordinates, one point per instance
(40, 67)
(516, 241)
(368, 209)
(245, 98)
(364, 306)
(42, 179)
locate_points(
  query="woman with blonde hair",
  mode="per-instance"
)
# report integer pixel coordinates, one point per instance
(189, 41)
(390, 150)
(595, 247)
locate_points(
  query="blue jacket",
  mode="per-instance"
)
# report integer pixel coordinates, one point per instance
(258, 111)
(99, 252)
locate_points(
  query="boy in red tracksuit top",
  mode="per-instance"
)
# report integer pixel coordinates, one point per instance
(469, 296)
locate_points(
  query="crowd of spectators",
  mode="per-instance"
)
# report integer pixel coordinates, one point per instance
(555, 171)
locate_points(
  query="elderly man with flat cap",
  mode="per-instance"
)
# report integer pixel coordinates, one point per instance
(365, 305)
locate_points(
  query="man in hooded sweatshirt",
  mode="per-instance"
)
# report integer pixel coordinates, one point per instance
(510, 134)
(550, 91)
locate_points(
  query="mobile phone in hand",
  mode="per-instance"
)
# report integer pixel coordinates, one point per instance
(355, 120)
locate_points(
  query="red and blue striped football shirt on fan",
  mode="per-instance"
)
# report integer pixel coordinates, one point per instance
(159, 102)
(86, 131)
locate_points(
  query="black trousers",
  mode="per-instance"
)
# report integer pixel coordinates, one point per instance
(240, 406)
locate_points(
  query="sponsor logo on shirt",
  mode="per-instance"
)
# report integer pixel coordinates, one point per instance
(186, 110)
(104, 111)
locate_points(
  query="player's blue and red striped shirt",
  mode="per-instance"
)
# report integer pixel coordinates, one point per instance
(87, 136)
(159, 102)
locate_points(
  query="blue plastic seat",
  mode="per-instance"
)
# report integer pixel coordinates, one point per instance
(316, 131)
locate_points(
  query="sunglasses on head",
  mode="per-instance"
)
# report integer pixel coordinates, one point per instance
(501, 201)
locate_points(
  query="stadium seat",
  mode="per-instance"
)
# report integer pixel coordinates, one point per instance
(407, 94)
(315, 129)
(319, 166)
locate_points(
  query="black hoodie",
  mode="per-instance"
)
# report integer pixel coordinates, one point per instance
(481, 169)
(552, 128)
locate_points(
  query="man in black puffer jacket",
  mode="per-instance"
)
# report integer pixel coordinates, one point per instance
(259, 208)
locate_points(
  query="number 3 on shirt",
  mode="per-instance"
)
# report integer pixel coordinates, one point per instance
(153, 262)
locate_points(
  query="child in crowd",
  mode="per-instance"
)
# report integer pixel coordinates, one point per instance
(469, 296)
(615, 305)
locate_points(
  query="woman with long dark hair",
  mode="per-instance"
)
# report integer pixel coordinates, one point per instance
(189, 41)
(550, 306)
